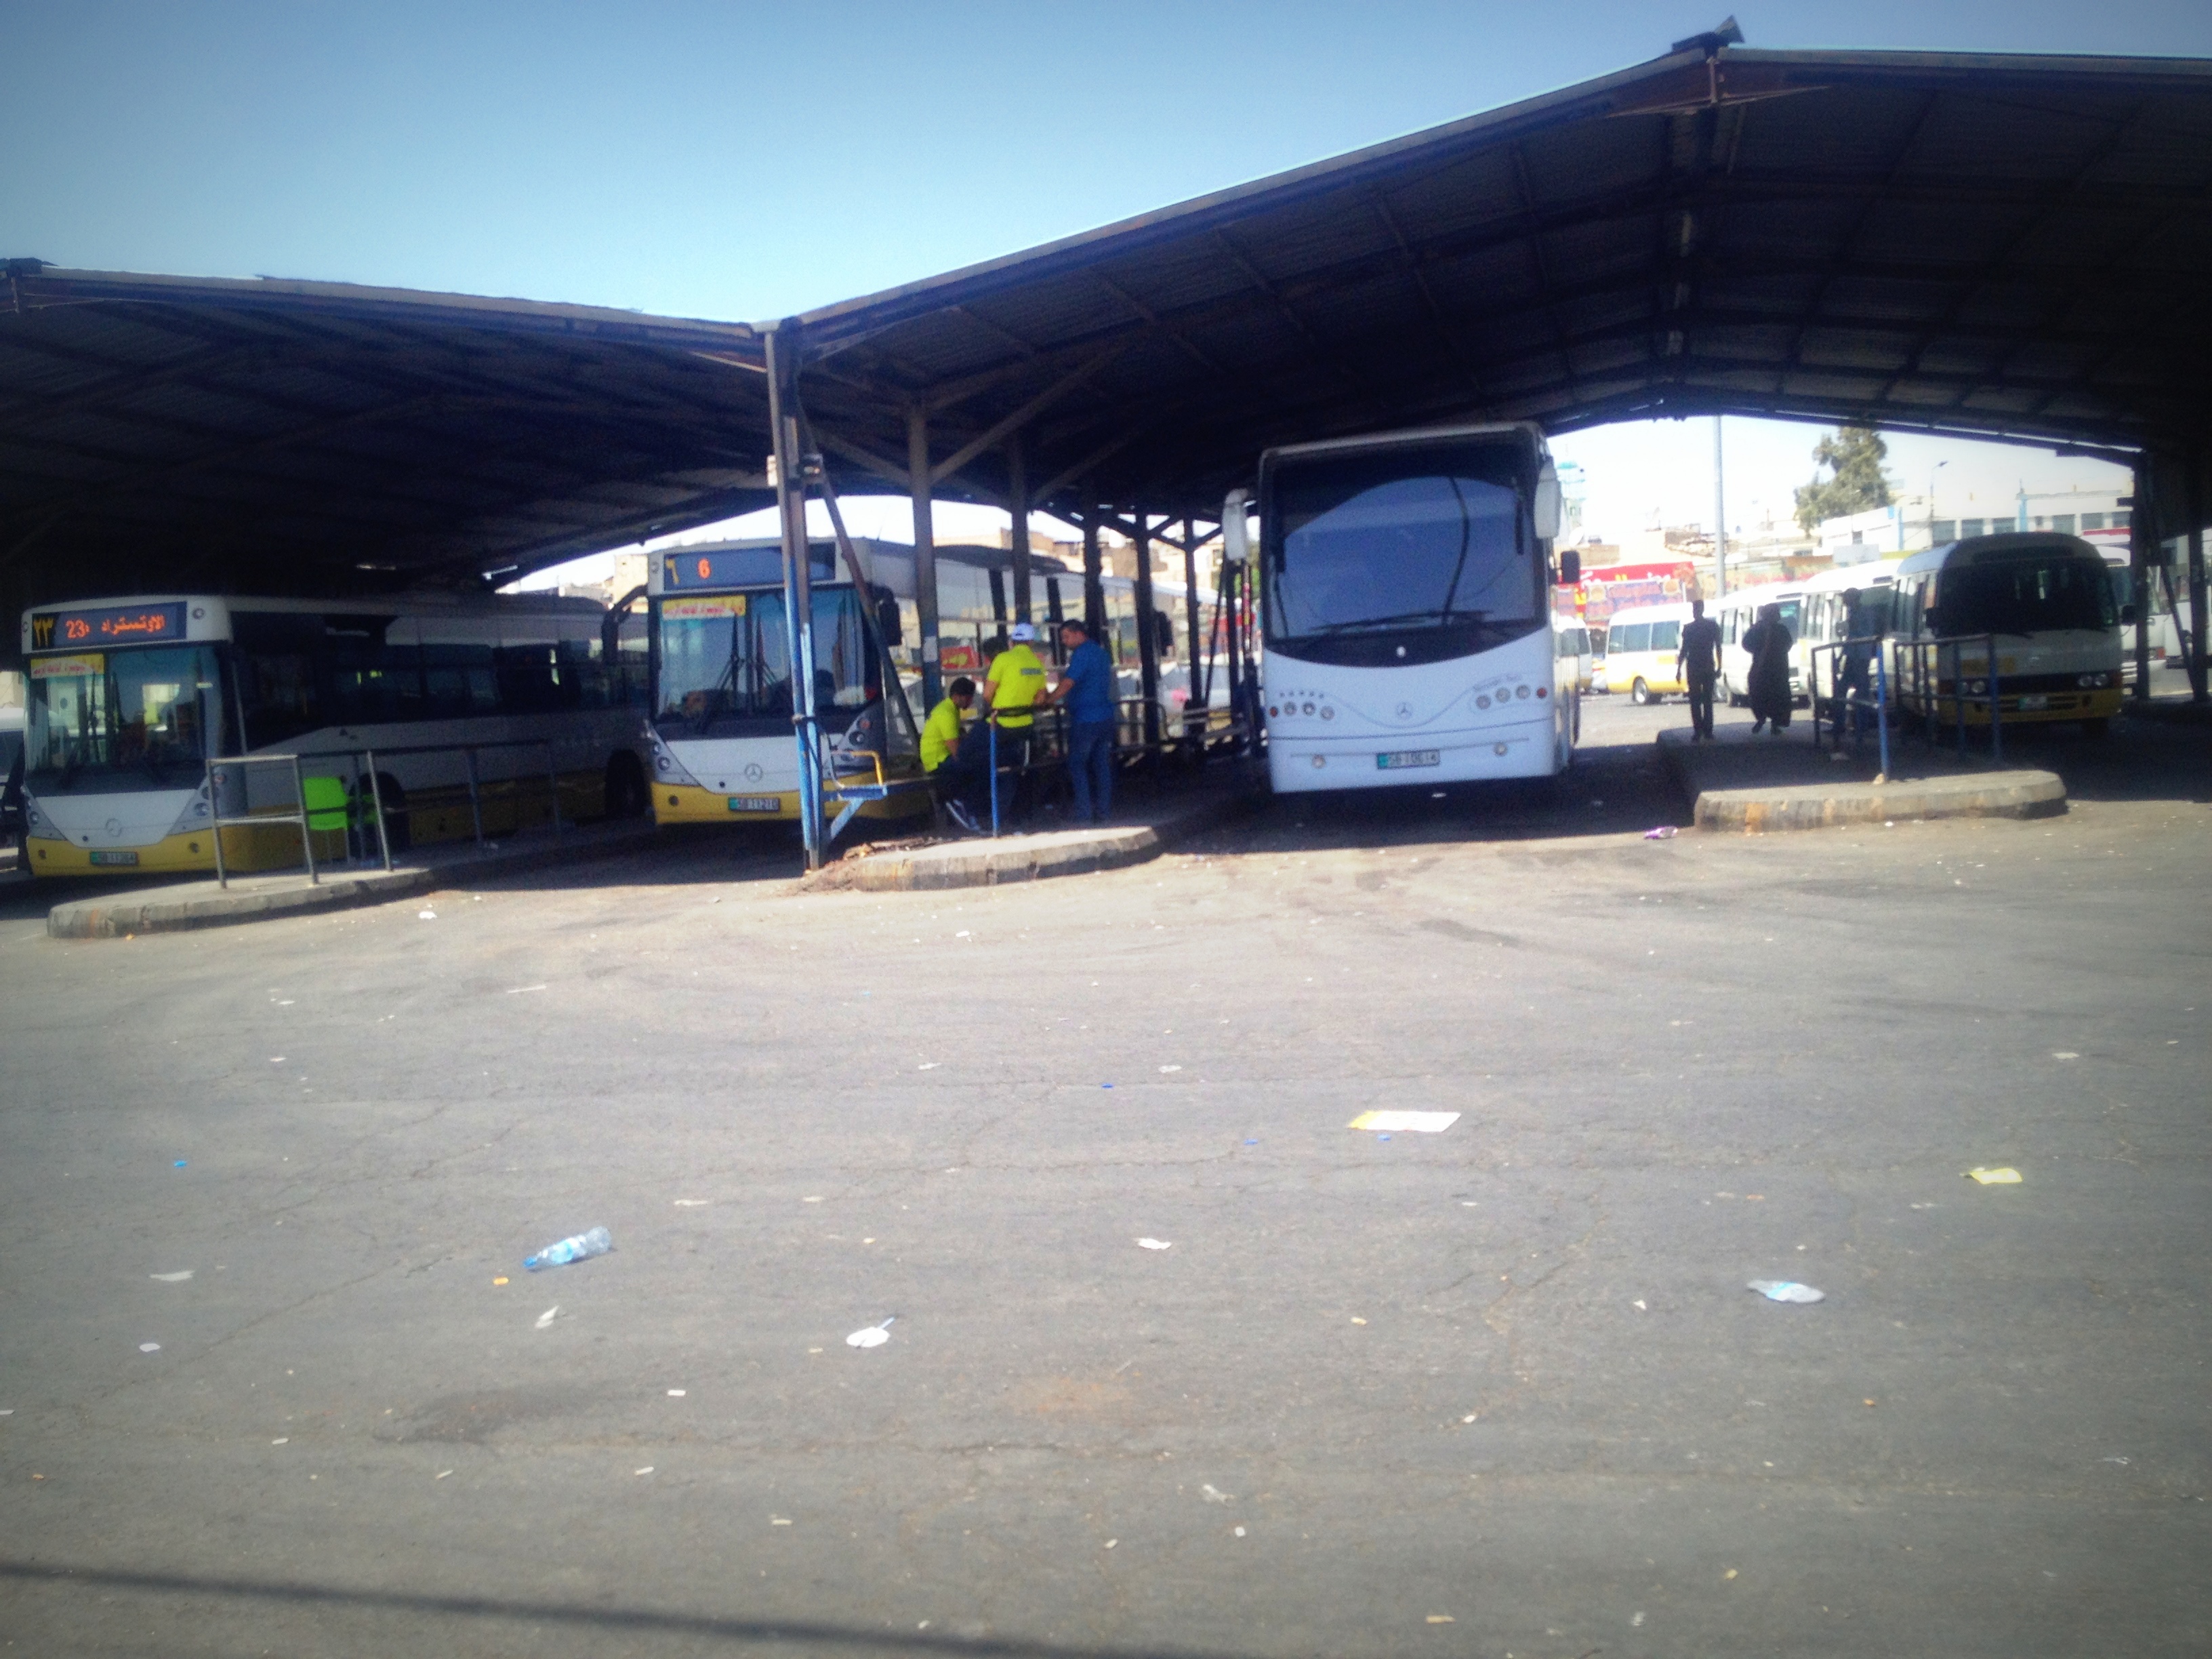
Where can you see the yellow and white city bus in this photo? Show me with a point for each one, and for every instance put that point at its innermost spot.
(724, 750)
(129, 698)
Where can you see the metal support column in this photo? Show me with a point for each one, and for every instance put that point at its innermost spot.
(1195, 619)
(798, 587)
(2140, 526)
(1017, 508)
(924, 552)
(1148, 641)
(2199, 456)
(1720, 519)
(1094, 577)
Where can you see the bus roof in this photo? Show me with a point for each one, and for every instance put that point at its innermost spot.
(1999, 549)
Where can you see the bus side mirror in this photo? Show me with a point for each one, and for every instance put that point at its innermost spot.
(1545, 508)
(887, 619)
(1570, 569)
(1236, 539)
(2127, 616)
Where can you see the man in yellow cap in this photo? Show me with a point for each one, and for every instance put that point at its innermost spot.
(1015, 681)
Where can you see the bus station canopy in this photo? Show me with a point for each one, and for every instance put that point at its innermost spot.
(2013, 246)
(2010, 246)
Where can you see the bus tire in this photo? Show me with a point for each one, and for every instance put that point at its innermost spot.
(1640, 694)
(625, 796)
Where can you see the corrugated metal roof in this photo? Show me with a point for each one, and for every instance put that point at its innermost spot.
(1992, 245)
(318, 437)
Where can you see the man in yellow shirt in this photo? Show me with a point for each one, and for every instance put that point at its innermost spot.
(956, 777)
(1017, 681)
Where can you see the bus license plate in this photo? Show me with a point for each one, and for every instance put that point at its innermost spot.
(2035, 700)
(126, 859)
(1406, 757)
(756, 802)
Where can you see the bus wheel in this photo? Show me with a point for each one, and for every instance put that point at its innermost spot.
(2102, 726)
(1640, 694)
(625, 795)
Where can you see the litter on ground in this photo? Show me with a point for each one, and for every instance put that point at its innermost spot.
(549, 1316)
(1424, 1123)
(1664, 832)
(1157, 1244)
(1215, 1495)
(170, 1279)
(871, 1336)
(1785, 1290)
(2003, 1175)
(150, 1347)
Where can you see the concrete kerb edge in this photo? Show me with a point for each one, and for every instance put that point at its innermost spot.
(127, 915)
(992, 867)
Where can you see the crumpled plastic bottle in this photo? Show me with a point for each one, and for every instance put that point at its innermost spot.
(598, 1242)
(1785, 1290)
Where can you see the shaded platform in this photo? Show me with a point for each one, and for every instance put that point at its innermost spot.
(1224, 793)
(1757, 783)
(185, 906)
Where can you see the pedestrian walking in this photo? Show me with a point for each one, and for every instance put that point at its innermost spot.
(1769, 640)
(1086, 688)
(1697, 664)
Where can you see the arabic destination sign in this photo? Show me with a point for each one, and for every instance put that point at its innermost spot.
(132, 624)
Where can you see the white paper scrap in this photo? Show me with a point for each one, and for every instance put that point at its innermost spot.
(1419, 1123)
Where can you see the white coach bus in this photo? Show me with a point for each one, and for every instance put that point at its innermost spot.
(130, 699)
(1407, 582)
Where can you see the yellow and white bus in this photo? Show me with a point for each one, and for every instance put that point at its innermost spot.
(129, 698)
(2046, 597)
(723, 746)
(1640, 643)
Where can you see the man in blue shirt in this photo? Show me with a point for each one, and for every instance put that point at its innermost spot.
(1087, 686)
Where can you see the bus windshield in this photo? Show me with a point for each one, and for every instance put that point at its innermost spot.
(2025, 596)
(1361, 546)
(137, 719)
(727, 657)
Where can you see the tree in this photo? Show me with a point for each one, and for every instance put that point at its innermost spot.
(1855, 454)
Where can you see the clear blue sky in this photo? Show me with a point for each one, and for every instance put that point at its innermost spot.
(746, 162)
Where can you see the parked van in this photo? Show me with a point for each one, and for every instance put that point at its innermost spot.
(1736, 612)
(1640, 643)
(1852, 603)
(1572, 642)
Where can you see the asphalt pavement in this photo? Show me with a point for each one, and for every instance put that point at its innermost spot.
(1496, 1391)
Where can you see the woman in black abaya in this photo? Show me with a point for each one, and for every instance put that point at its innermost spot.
(1769, 641)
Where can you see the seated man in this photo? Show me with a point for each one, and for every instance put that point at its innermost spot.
(957, 770)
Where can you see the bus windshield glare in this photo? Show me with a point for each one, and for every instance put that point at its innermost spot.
(1364, 546)
(2025, 597)
(144, 714)
(727, 656)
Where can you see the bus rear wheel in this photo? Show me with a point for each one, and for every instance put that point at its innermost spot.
(1640, 694)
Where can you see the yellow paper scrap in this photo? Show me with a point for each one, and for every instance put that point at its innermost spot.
(1424, 1123)
(2003, 1175)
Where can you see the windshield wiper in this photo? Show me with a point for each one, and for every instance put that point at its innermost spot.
(1351, 623)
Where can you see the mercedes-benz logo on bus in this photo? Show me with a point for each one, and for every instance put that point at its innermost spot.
(1405, 711)
(753, 772)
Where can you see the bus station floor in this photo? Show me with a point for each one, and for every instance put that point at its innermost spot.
(1496, 1390)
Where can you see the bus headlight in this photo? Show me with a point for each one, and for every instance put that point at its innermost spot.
(1326, 713)
(2092, 681)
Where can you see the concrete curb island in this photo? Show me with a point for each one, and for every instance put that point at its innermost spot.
(1803, 804)
(193, 905)
(991, 863)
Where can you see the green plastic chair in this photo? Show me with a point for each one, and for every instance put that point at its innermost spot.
(328, 807)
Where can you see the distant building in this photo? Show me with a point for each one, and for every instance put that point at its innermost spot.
(1907, 525)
